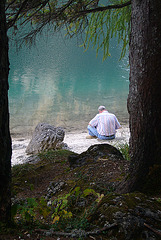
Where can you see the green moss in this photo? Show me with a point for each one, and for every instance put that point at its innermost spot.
(56, 155)
(113, 203)
(26, 176)
(20, 177)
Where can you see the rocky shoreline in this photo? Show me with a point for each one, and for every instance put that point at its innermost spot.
(75, 140)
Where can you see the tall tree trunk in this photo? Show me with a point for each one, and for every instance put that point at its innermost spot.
(5, 140)
(144, 100)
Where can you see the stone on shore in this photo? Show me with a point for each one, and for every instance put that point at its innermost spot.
(46, 137)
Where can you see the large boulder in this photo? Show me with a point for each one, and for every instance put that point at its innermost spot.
(45, 137)
(93, 154)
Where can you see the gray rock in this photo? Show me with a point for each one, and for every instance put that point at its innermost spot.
(45, 137)
(54, 187)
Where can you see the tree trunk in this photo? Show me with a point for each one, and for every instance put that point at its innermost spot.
(5, 140)
(144, 100)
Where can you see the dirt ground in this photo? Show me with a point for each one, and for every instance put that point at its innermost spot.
(33, 180)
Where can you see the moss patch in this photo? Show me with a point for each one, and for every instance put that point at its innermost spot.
(29, 178)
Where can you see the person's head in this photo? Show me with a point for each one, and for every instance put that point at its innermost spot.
(101, 109)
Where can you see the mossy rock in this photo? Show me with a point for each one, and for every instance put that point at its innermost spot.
(131, 212)
(93, 154)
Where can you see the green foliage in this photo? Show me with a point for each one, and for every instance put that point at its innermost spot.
(88, 191)
(42, 208)
(66, 212)
(124, 149)
(60, 209)
(158, 200)
(102, 26)
(25, 211)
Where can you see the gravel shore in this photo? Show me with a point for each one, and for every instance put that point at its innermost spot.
(76, 142)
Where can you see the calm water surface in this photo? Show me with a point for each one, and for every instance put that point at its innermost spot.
(56, 82)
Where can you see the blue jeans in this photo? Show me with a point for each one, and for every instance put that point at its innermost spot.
(93, 132)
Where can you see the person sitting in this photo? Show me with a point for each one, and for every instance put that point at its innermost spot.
(103, 126)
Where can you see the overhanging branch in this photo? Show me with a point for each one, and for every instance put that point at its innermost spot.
(101, 9)
(21, 10)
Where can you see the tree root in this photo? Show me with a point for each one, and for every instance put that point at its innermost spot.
(76, 232)
(158, 232)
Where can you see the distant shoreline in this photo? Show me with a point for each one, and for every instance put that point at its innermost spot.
(76, 141)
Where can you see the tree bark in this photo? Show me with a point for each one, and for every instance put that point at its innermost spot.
(144, 100)
(5, 140)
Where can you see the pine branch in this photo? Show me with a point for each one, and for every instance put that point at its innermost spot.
(10, 4)
(101, 9)
(37, 10)
(12, 21)
(22, 8)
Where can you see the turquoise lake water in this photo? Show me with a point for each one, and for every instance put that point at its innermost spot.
(57, 82)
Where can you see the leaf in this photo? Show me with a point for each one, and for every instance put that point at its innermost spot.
(107, 24)
(76, 191)
(89, 191)
(66, 214)
(32, 202)
(100, 196)
(56, 219)
(70, 214)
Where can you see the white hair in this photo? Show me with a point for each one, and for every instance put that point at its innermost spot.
(101, 108)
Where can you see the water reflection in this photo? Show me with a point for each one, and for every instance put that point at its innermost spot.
(58, 83)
